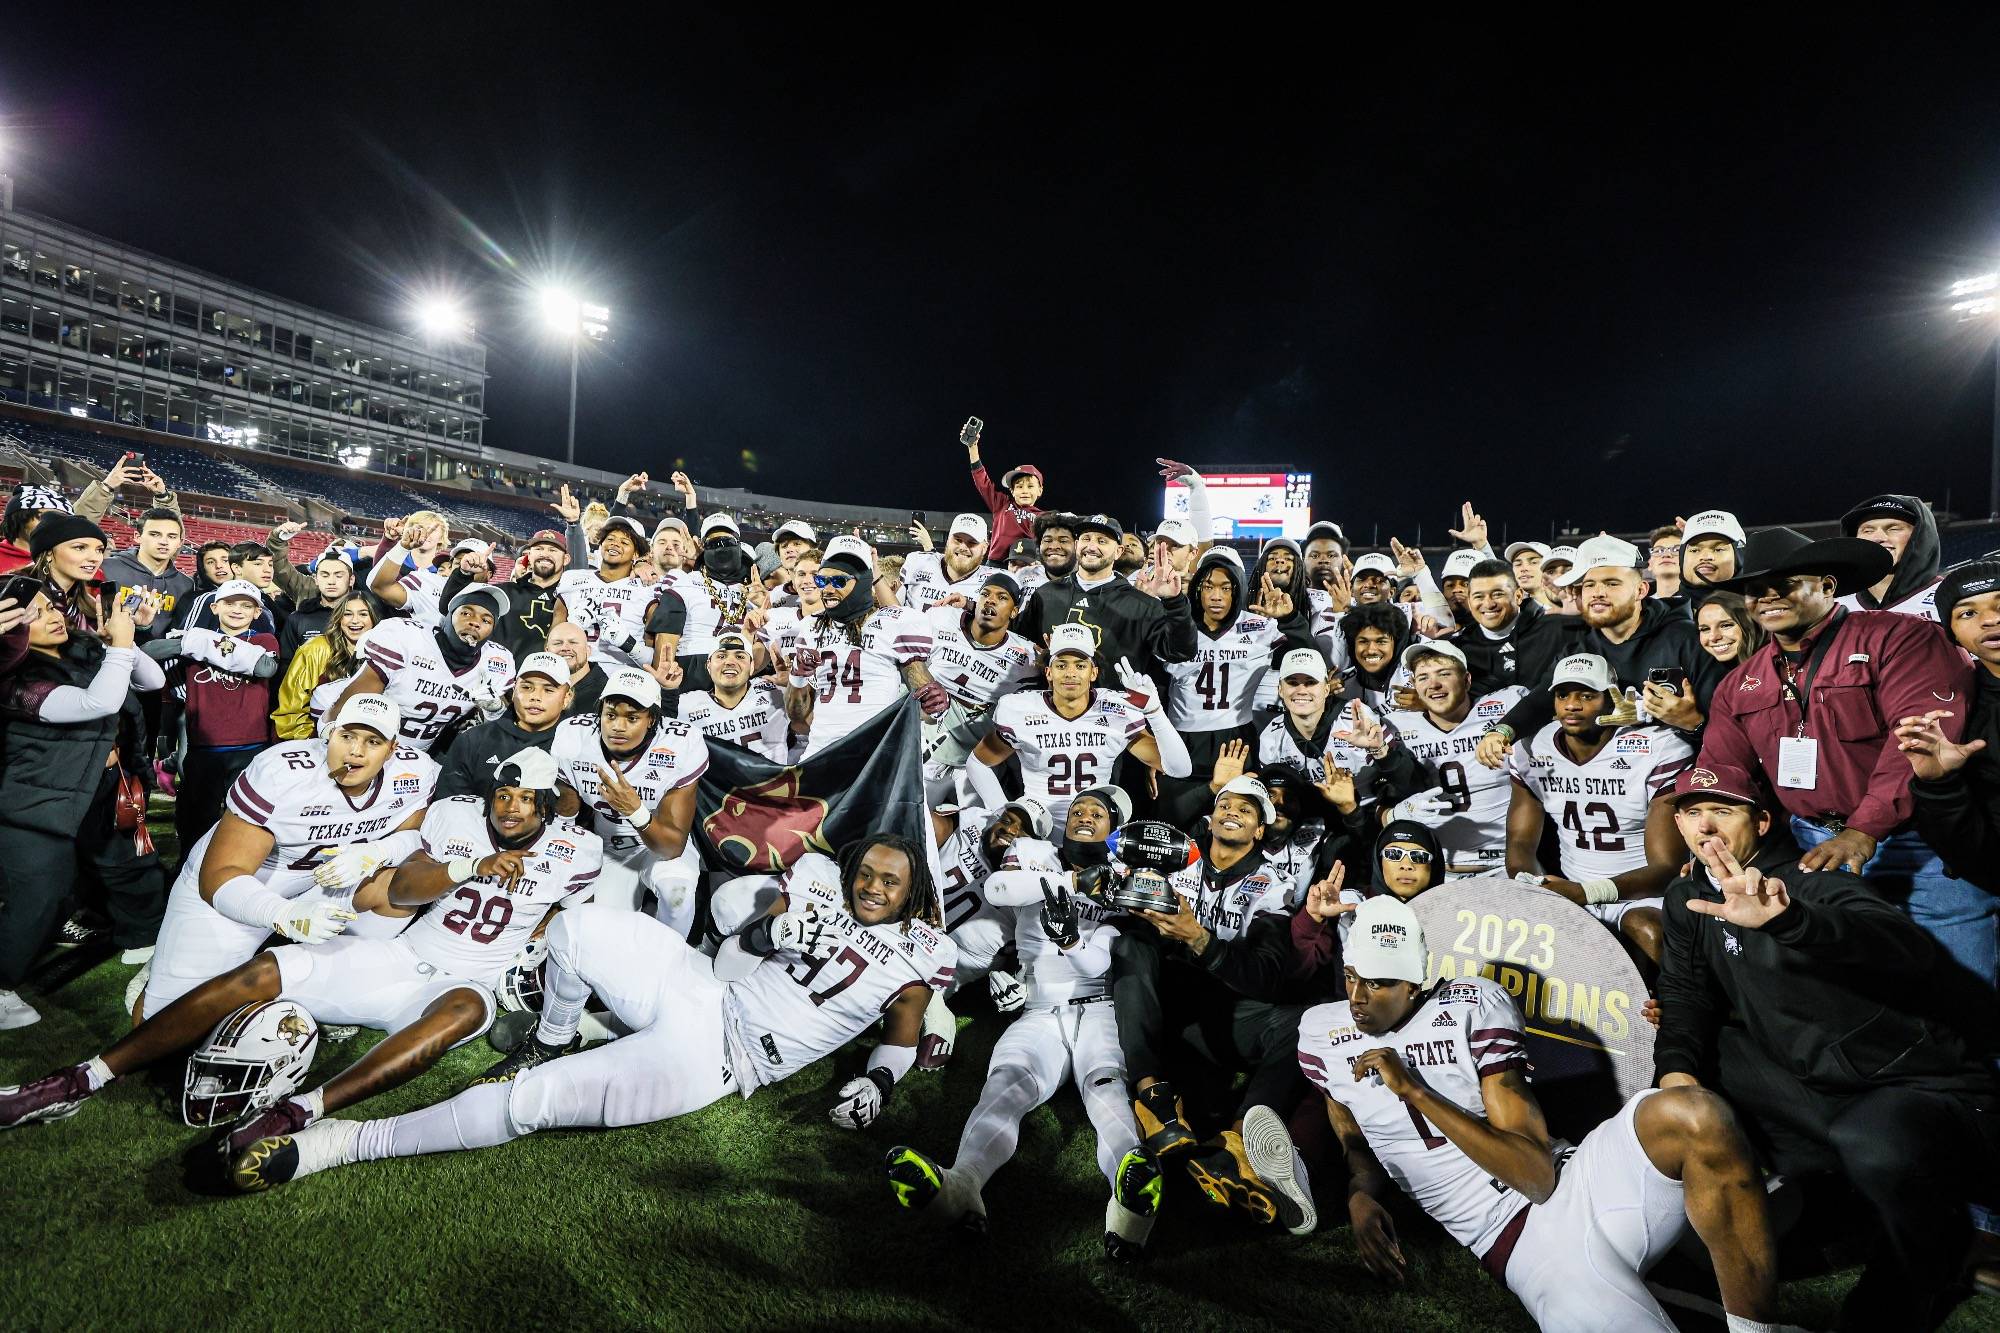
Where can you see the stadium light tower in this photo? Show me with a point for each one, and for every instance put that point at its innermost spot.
(1978, 299)
(441, 316)
(576, 320)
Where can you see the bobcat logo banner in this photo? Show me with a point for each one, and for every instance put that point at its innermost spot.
(754, 816)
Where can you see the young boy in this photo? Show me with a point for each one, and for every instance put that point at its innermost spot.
(231, 676)
(1013, 509)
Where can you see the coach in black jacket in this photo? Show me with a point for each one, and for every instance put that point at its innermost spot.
(1147, 622)
(1957, 786)
(1855, 1047)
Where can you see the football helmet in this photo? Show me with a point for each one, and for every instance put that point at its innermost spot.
(519, 989)
(255, 1057)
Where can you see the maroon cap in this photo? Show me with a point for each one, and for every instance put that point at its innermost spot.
(1719, 783)
(547, 536)
(1025, 470)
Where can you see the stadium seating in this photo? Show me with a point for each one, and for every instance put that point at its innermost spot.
(183, 469)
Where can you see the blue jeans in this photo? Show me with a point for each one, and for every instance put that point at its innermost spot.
(1962, 917)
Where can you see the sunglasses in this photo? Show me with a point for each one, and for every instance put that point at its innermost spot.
(1416, 856)
(832, 580)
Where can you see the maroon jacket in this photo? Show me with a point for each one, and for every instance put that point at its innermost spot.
(225, 710)
(1880, 667)
(1011, 522)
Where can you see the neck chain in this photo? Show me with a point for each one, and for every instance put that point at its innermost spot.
(732, 603)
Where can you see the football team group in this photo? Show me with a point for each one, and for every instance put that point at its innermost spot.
(1178, 797)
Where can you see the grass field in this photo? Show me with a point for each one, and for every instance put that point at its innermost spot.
(756, 1214)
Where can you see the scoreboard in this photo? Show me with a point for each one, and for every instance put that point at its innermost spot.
(1258, 505)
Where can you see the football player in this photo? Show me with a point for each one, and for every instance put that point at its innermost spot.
(608, 602)
(977, 658)
(736, 708)
(438, 676)
(1608, 791)
(1065, 1033)
(421, 591)
(634, 769)
(693, 609)
(1319, 739)
(1070, 735)
(304, 818)
(930, 576)
(1466, 802)
(1427, 1086)
(844, 947)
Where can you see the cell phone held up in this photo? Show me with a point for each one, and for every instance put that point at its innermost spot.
(20, 589)
(1667, 678)
(968, 434)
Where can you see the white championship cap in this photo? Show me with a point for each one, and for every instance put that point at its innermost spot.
(972, 525)
(1176, 530)
(544, 664)
(1438, 647)
(1255, 790)
(853, 548)
(719, 523)
(1072, 638)
(1515, 548)
(1560, 555)
(1458, 565)
(1585, 669)
(1032, 810)
(1302, 662)
(1386, 942)
(798, 528)
(630, 683)
(239, 588)
(1600, 552)
(472, 544)
(377, 712)
(1713, 523)
(1377, 562)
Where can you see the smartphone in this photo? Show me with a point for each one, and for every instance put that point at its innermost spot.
(136, 459)
(969, 434)
(916, 516)
(1667, 678)
(21, 588)
(131, 601)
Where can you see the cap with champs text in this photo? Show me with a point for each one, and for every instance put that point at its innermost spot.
(1458, 565)
(1375, 563)
(638, 686)
(1559, 555)
(471, 545)
(239, 588)
(1302, 662)
(1178, 531)
(1032, 810)
(1386, 942)
(1515, 548)
(796, 529)
(544, 664)
(1072, 638)
(377, 712)
(1434, 648)
(1585, 669)
(715, 523)
(972, 525)
(1600, 552)
(1713, 523)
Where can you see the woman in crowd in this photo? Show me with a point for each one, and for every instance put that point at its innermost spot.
(321, 668)
(70, 722)
(1728, 634)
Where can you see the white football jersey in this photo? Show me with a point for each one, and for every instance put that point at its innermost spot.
(1030, 577)
(973, 675)
(1600, 807)
(1277, 744)
(612, 615)
(474, 930)
(675, 756)
(1227, 910)
(790, 1012)
(704, 613)
(926, 583)
(1052, 976)
(1921, 603)
(962, 859)
(854, 682)
(286, 792)
(1060, 756)
(423, 591)
(416, 678)
(1216, 689)
(1464, 1031)
(1474, 834)
(757, 723)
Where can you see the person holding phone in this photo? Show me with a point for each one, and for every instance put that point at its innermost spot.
(1014, 503)
(131, 470)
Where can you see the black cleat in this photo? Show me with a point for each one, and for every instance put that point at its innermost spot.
(525, 1057)
(1229, 1181)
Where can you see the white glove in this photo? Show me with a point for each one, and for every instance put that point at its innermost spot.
(805, 932)
(860, 1102)
(1144, 693)
(317, 924)
(486, 695)
(349, 867)
(1006, 990)
(1425, 807)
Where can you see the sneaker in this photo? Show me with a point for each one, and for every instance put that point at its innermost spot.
(512, 1028)
(135, 989)
(940, 1034)
(1268, 1143)
(55, 1097)
(274, 1161)
(939, 1193)
(1163, 1130)
(81, 928)
(1133, 1208)
(1229, 1181)
(524, 1057)
(287, 1117)
(337, 1031)
(16, 1012)
(163, 778)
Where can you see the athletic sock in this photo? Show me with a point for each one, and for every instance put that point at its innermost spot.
(564, 995)
(314, 1103)
(475, 1118)
(97, 1072)
(1110, 1112)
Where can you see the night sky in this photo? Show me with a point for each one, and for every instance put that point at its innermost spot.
(1601, 277)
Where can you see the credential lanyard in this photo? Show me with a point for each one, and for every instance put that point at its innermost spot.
(1798, 689)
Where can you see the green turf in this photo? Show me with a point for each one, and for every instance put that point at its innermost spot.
(749, 1214)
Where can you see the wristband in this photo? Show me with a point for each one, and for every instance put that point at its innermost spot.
(1503, 731)
(249, 901)
(1599, 891)
(461, 869)
(639, 818)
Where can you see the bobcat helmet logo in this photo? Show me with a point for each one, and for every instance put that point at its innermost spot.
(294, 1030)
(768, 825)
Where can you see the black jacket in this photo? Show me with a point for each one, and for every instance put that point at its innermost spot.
(1665, 638)
(1528, 653)
(51, 772)
(1841, 989)
(1258, 963)
(587, 692)
(479, 751)
(1143, 630)
(1959, 815)
(308, 622)
(530, 616)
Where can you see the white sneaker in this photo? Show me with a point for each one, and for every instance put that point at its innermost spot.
(1268, 1145)
(135, 989)
(337, 1031)
(940, 1034)
(16, 1012)
(142, 954)
(285, 1157)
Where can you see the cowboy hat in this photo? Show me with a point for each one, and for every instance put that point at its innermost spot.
(1779, 553)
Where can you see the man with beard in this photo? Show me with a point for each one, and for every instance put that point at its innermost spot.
(437, 676)
(1511, 639)
(1132, 555)
(1065, 1033)
(1055, 546)
(1325, 554)
(736, 708)
(1206, 974)
(608, 603)
(1466, 804)
(694, 608)
(1146, 621)
(930, 577)
(538, 572)
(586, 678)
(1635, 635)
(541, 693)
(977, 658)
(1905, 527)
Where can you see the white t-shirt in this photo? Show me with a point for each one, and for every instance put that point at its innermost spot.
(1600, 807)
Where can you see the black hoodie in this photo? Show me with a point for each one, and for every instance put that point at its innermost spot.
(1406, 830)
(1917, 570)
(1665, 638)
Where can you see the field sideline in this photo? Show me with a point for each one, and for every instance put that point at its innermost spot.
(747, 1214)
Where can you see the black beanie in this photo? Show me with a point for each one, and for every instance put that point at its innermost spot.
(55, 529)
(1968, 580)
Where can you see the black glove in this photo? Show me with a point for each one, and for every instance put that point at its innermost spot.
(1096, 882)
(1059, 920)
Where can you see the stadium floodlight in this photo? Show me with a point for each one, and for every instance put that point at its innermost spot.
(1984, 282)
(1978, 298)
(441, 316)
(568, 316)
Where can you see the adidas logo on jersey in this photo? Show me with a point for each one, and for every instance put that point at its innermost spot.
(1444, 1021)
(1621, 764)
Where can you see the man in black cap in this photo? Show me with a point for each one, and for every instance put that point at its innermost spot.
(1903, 526)
(1839, 1033)
(1956, 783)
(1146, 619)
(1811, 713)
(531, 612)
